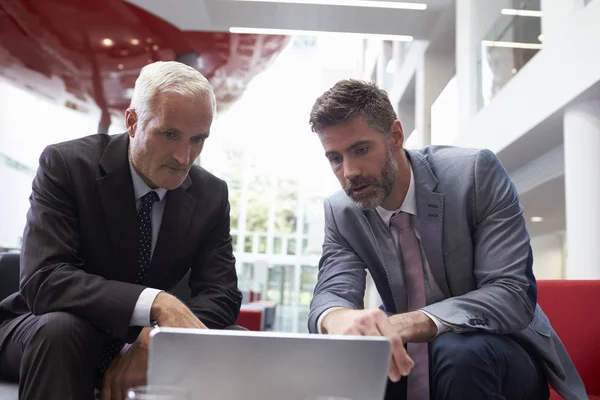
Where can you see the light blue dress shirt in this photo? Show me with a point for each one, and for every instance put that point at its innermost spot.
(141, 312)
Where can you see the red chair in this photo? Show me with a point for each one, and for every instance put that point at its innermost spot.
(572, 307)
(251, 319)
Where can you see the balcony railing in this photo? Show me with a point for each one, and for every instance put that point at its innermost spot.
(514, 39)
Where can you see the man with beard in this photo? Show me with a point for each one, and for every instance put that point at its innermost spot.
(115, 222)
(442, 234)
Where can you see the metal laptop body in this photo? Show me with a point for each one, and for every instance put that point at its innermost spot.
(215, 364)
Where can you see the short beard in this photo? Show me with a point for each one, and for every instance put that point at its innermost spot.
(384, 184)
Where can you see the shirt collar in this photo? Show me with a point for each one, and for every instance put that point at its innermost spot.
(409, 205)
(139, 186)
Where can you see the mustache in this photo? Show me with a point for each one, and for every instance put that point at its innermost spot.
(359, 181)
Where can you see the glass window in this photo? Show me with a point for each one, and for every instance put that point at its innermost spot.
(280, 284)
(262, 244)
(248, 244)
(508, 46)
(277, 245)
(291, 247)
(286, 204)
(308, 280)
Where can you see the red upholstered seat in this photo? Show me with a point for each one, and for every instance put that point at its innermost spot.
(573, 309)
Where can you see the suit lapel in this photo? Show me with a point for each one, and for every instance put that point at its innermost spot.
(387, 252)
(430, 210)
(175, 224)
(118, 205)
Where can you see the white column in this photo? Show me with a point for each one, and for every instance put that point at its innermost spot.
(383, 80)
(397, 56)
(432, 76)
(467, 50)
(582, 189)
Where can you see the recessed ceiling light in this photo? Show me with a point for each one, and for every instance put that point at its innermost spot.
(522, 13)
(537, 219)
(352, 3)
(107, 42)
(266, 31)
(134, 42)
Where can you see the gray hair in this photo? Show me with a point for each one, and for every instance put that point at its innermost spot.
(349, 99)
(168, 76)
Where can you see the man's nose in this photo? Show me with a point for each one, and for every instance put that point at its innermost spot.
(182, 155)
(351, 170)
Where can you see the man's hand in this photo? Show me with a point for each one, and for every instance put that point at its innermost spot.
(370, 323)
(128, 369)
(169, 311)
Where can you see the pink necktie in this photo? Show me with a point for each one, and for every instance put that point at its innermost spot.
(418, 380)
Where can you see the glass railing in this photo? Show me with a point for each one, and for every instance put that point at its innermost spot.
(514, 39)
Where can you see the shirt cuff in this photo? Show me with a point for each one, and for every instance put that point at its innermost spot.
(441, 327)
(323, 314)
(143, 306)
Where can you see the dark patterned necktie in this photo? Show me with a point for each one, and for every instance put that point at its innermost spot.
(144, 248)
(111, 348)
(418, 380)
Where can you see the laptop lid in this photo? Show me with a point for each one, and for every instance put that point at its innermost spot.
(224, 364)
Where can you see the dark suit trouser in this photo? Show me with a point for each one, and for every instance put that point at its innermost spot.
(52, 356)
(479, 366)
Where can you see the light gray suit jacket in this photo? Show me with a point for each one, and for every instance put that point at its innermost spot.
(477, 247)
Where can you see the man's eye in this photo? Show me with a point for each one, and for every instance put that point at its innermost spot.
(168, 134)
(335, 160)
(197, 139)
(362, 150)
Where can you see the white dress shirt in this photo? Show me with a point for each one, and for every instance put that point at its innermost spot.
(141, 311)
(408, 206)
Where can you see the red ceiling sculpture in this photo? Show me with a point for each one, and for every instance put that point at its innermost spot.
(76, 52)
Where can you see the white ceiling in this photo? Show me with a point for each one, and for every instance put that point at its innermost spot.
(221, 15)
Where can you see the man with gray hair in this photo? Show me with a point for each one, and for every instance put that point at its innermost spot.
(442, 234)
(115, 222)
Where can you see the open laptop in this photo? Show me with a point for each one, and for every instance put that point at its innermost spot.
(223, 364)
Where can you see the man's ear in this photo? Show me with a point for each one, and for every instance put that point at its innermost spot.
(131, 121)
(397, 135)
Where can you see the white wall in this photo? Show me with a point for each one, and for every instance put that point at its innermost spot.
(28, 124)
(444, 116)
(548, 256)
(555, 76)
(15, 187)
